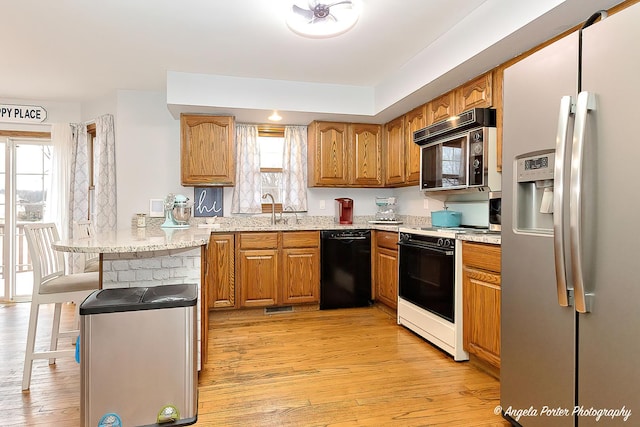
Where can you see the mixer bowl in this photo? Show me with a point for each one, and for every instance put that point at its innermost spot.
(181, 214)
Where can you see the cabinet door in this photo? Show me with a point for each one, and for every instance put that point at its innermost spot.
(301, 275)
(481, 330)
(394, 146)
(257, 273)
(481, 301)
(220, 271)
(476, 93)
(414, 120)
(207, 150)
(441, 108)
(386, 274)
(366, 152)
(328, 154)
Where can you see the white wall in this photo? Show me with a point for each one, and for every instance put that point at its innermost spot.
(147, 152)
(148, 157)
(148, 163)
(57, 112)
(99, 107)
(363, 199)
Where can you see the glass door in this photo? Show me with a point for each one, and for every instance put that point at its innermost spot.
(25, 174)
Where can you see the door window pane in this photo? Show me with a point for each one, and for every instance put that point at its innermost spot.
(33, 164)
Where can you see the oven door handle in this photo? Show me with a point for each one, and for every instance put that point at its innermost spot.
(415, 245)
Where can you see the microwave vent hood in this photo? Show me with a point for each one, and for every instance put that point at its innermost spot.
(474, 118)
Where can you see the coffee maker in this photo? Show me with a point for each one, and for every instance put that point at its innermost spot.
(344, 211)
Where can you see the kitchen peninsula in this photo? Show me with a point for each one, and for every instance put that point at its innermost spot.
(148, 257)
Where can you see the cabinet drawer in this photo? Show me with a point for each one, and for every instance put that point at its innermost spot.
(258, 240)
(481, 255)
(387, 239)
(301, 239)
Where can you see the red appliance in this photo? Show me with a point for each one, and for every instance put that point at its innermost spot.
(344, 211)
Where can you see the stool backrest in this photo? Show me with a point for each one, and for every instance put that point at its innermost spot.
(47, 262)
(83, 229)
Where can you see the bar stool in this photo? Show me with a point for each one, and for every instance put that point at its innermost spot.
(51, 286)
(84, 230)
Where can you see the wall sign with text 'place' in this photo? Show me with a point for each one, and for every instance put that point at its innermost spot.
(22, 113)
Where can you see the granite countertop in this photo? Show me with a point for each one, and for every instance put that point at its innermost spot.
(491, 237)
(137, 240)
(155, 238)
(231, 228)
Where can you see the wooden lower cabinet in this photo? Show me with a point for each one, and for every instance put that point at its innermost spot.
(258, 277)
(257, 268)
(386, 268)
(300, 267)
(481, 301)
(278, 268)
(220, 271)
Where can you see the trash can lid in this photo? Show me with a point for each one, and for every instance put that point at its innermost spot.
(140, 298)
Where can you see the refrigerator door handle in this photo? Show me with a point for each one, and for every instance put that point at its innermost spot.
(586, 102)
(566, 111)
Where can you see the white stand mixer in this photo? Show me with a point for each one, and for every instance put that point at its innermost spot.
(176, 211)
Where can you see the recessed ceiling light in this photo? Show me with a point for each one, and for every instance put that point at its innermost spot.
(323, 18)
(275, 117)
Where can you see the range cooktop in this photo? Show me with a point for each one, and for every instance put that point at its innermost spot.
(448, 231)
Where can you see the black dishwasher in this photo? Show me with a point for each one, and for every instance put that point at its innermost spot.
(345, 279)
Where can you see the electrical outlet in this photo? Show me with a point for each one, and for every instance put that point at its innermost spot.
(322, 205)
(426, 203)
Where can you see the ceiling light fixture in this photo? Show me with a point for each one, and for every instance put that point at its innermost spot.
(275, 117)
(323, 18)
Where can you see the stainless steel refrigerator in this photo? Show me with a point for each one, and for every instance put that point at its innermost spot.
(571, 216)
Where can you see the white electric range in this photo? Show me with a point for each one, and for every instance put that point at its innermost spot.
(430, 286)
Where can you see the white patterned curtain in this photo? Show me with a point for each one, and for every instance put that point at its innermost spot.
(58, 209)
(79, 179)
(247, 191)
(105, 216)
(104, 179)
(78, 186)
(294, 168)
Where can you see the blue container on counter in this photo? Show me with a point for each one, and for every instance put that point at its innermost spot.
(446, 218)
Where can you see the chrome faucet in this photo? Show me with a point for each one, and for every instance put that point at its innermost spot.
(273, 207)
(289, 208)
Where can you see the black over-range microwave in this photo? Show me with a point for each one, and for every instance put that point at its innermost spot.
(455, 152)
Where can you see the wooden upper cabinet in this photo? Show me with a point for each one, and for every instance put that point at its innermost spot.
(328, 158)
(366, 154)
(394, 149)
(414, 120)
(207, 154)
(441, 108)
(476, 93)
(344, 155)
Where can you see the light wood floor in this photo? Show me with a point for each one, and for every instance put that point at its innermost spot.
(352, 367)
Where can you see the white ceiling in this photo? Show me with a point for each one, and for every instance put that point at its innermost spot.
(79, 50)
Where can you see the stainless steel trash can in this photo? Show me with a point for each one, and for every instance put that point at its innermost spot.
(138, 356)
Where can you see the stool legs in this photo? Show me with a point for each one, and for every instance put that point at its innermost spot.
(31, 342)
